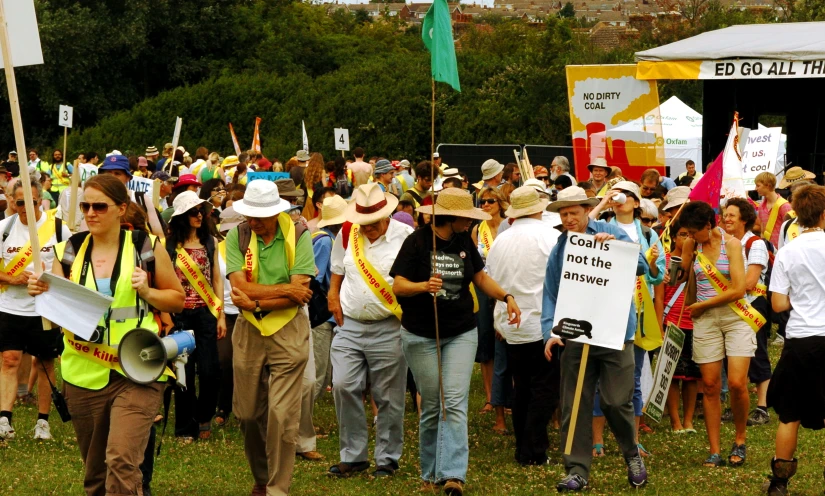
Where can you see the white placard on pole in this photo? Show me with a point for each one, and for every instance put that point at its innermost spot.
(24, 35)
(761, 149)
(342, 139)
(65, 116)
(176, 136)
(141, 185)
(597, 285)
(665, 366)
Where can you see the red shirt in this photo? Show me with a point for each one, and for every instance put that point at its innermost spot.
(673, 315)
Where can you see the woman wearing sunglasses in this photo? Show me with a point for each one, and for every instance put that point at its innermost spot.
(197, 267)
(111, 414)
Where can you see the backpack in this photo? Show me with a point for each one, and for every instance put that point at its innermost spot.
(318, 304)
(767, 309)
(58, 228)
(343, 187)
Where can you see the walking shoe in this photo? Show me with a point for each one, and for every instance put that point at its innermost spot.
(312, 456)
(6, 430)
(636, 471)
(759, 417)
(454, 487)
(571, 483)
(258, 490)
(41, 430)
(727, 415)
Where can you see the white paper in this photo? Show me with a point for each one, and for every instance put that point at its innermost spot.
(597, 285)
(74, 307)
(761, 150)
(24, 36)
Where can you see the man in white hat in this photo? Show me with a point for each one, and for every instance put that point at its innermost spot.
(269, 262)
(599, 170)
(512, 262)
(403, 179)
(367, 342)
(612, 369)
(491, 173)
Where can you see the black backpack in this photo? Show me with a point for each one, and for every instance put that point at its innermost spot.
(318, 304)
(343, 187)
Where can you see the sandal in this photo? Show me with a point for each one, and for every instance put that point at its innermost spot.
(348, 469)
(598, 450)
(487, 408)
(642, 450)
(738, 450)
(501, 431)
(158, 418)
(204, 431)
(384, 471)
(690, 431)
(713, 461)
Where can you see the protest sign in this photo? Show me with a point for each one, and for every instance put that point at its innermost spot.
(603, 97)
(140, 185)
(65, 114)
(761, 150)
(24, 34)
(342, 139)
(269, 176)
(600, 274)
(665, 366)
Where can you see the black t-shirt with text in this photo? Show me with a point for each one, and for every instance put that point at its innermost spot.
(457, 261)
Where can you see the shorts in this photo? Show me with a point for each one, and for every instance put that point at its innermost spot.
(720, 332)
(797, 389)
(686, 369)
(26, 334)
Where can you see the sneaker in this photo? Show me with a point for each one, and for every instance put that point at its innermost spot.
(572, 483)
(41, 430)
(6, 430)
(727, 415)
(636, 471)
(759, 417)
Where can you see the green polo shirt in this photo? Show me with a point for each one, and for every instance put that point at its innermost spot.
(272, 262)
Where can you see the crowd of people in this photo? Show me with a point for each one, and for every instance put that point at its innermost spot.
(325, 278)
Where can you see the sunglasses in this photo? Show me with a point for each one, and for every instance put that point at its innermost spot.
(648, 220)
(488, 201)
(98, 207)
(194, 212)
(22, 203)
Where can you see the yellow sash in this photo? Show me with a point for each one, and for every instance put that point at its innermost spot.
(648, 333)
(403, 182)
(793, 232)
(198, 281)
(759, 290)
(100, 354)
(602, 191)
(773, 217)
(375, 281)
(742, 308)
(485, 235)
(23, 257)
(275, 320)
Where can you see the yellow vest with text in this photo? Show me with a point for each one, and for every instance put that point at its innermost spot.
(124, 315)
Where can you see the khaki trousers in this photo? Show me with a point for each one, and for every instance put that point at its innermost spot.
(112, 427)
(268, 384)
(307, 440)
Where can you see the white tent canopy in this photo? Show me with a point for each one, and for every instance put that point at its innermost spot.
(681, 127)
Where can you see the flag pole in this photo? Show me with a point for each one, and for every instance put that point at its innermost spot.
(432, 226)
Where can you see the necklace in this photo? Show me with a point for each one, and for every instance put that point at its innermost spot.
(442, 237)
(812, 229)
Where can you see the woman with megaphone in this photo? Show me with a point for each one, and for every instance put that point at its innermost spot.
(110, 413)
(194, 254)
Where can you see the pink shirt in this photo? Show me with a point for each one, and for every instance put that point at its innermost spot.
(764, 214)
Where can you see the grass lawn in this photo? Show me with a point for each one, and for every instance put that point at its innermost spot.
(218, 466)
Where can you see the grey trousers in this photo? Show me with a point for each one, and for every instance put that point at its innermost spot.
(322, 340)
(362, 352)
(306, 429)
(613, 369)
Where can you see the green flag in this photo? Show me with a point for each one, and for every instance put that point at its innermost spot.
(437, 32)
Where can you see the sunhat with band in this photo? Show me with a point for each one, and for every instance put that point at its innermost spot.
(795, 174)
(186, 201)
(570, 197)
(333, 212)
(599, 162)
(676, 197)
(455, 202)
(525, 201)
(261, 201)
(369, 205)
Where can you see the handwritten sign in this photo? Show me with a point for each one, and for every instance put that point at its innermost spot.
(141, 185)
(597, 286)
(268, 176)
(665, 366)
(761, 149)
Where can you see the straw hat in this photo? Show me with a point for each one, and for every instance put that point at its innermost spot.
(369, 204)
(599, 162)
(230, 161)
(185, 202)
(333, 212)
(572, 196)
(793, 175)
(456, 202)
(261, 201)
(525, 201)
(676, 197)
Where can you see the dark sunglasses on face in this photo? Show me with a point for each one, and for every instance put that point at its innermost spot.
(648, 220)
(194, 212)
(22, 203)
(98, 207)
(543, 178)
(488, 201)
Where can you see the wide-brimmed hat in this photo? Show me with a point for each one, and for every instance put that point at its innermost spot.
(142, 162)
(676, 197)
(628, 187)
(525, 201)
(572, 196)
(187, 180)
(383, 166)
(286, 188)
(116, 162)
(404, 164)
(230, 218)
(333, 212)
(490, 169)
(536, 184)
(151, 150)
(369, 204)
(186, 201)
(599, 162)
(795, 174)
(455, 202)
(261, 200)
(302, 156)
(230, 161)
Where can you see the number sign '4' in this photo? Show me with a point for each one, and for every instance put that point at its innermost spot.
(342, 139)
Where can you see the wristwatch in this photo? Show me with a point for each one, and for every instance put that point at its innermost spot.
(257, 307)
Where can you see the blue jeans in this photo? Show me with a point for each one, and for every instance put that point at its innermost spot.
(444, 448)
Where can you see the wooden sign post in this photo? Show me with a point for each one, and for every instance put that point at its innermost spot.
(574, 415)
(65, 119)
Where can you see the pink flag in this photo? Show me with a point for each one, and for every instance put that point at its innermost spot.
(234, 140)
(710, 185)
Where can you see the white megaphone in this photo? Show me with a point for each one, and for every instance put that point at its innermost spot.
(144, 355)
